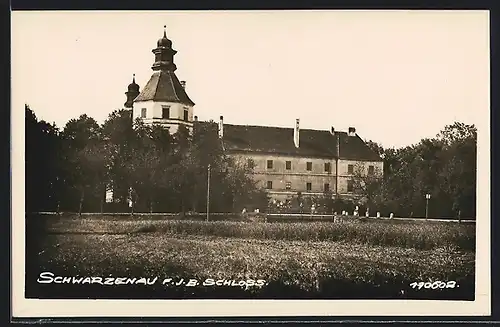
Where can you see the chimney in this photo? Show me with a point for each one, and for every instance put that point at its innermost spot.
(183, 84)
(195, 118)
(296, 133)
(221, 127)
(352, 131)
(332, 130)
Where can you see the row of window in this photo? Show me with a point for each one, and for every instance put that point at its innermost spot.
(326, 186)
(288, 165)
(328, 166)
(165, 113)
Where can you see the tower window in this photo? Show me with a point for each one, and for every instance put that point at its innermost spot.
(143, 112)
(308, 186)
(269, 164)
(327, 187)
(251, 163)
(269, 185)
(350, 169)
(309, 166)
(165, 112)
(288, 165)
(186, 115)
(288, 185)
(328, 167)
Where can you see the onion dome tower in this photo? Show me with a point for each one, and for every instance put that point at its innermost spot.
(164, 100)
(132, 93)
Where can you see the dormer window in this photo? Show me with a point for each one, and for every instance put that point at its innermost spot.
(143, 112)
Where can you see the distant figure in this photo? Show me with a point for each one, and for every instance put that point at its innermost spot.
(367, 214)
(257, 210)
(391, 215)
(378, 214)
(313, 208)
(244, 211)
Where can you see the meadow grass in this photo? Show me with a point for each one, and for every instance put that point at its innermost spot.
(302, 259)
(417, 235)
(311, 267)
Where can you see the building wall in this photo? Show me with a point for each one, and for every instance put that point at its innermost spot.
(154, 113)
(298, 176)
(359, 167)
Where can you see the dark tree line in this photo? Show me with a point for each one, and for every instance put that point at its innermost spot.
(72, 169)
(444, 167)
(146, 168)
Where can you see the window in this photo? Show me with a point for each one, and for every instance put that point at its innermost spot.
(350, 169)
(308, 186)
(186, 115)
(143, 113)
(165, 112)
(269, 185)
(288, 185)
(327, 187)
(250, 163)
(328, 167)
(350, 186)
(371, 170)
(269, 164)
(288, 165)
(309, 165)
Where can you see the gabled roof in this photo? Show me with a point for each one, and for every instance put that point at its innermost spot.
(164, 86)
(313, 143)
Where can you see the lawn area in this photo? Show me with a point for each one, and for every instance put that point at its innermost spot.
(375, 259)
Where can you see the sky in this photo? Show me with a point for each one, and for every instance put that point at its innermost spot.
(396, 76)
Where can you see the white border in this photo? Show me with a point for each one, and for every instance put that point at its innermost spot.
(25, 308)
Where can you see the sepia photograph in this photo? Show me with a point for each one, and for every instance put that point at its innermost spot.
(317, 156)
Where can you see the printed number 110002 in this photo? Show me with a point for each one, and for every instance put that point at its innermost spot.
(434, 285)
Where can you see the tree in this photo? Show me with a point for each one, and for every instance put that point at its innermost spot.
(44, 180)
(459, 173)
(366, 185)
(118, 134)
(83, 157)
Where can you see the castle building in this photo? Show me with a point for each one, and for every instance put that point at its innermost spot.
(285, 160)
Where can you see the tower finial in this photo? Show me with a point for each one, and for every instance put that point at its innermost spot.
(133, 78)
(164, 30)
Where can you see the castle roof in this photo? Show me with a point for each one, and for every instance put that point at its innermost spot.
(164, 86)
(279, 140)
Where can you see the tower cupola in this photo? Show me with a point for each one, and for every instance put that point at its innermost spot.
(164, 54)
(132, 93)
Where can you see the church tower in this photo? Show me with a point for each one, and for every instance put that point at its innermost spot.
(163, 99)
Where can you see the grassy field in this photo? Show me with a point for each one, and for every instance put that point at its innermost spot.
(372, 259)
